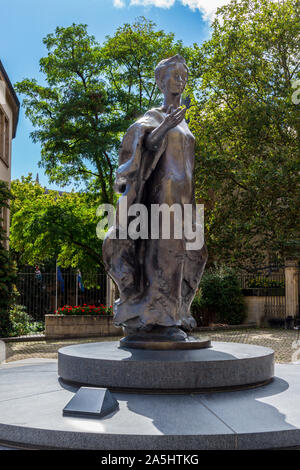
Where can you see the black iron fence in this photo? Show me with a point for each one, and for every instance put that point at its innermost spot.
(261, 280)
(43, 292)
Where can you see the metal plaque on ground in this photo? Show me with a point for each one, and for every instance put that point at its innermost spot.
(92, 402)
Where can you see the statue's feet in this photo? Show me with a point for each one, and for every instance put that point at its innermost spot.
(162, 338)
(171, 333)
(156, 333)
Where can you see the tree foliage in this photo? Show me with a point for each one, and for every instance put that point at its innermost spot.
(131, 56)
(92, 94)
(47, 225)
(247, 131)
(242, 115)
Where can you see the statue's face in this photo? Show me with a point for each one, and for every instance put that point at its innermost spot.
(175, 79)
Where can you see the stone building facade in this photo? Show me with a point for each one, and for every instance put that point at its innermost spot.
(9, 114)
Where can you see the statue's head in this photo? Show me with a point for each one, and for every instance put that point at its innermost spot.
(170, 72)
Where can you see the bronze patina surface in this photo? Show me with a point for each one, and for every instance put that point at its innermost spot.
(156, 278)
(164, 344)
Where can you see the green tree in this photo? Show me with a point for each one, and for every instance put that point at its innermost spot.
(247, 130)
(47, 225)
(92, 94)
(7, 269)
(131, 56)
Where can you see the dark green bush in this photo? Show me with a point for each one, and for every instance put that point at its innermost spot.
(219, 298)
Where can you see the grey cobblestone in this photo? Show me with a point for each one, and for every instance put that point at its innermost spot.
(281, 341)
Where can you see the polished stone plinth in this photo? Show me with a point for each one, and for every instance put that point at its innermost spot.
(32, 399)
(222, 366)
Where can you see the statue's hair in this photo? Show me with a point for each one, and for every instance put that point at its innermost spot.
(163, 66)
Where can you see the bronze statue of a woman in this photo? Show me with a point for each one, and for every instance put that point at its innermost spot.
(156, 278)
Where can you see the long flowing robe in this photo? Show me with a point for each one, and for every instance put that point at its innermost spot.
(156, 278)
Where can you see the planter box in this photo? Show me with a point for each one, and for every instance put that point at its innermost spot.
(80, 326)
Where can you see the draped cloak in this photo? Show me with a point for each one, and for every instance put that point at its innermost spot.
(156, 278)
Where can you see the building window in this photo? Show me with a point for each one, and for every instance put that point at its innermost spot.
(4, 138)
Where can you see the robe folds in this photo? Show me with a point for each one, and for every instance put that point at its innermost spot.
(156, 278)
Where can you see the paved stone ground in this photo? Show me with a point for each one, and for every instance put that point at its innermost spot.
(285, 343)
(282, 341)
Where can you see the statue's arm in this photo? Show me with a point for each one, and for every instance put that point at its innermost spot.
(154, 138)
(172, 119)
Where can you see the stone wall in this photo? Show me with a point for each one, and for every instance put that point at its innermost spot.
(79, 326)
(9, 113)
(255, 307)
(292, 288)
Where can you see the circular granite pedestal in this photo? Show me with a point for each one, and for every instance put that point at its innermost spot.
(221, 367)
(32, 400)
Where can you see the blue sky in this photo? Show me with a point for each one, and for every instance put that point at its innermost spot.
(25, 22)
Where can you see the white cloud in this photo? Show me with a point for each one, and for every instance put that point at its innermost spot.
(207, 7)
(119, 3)
(156, 3)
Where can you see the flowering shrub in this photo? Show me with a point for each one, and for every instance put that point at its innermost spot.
(84, 310)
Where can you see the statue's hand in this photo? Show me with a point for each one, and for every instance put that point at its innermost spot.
(173, 117)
